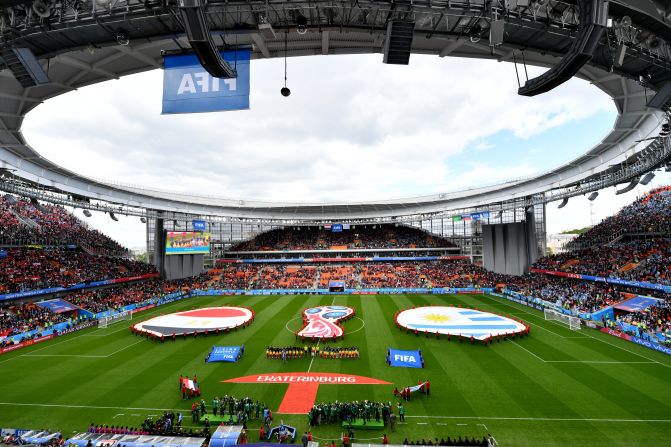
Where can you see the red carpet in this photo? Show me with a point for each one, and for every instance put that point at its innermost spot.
(299, 398)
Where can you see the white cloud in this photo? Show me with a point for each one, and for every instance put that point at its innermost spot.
(352, 129)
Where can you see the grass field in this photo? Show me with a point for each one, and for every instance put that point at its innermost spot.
(556, 387)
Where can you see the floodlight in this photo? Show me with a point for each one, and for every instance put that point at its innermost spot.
(301, 24)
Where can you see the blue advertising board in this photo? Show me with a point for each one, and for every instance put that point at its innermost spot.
(57, 306)
(189, 88)
(637, 303)
(336, 228)
(225, 353)
(405, 359)
(199, 225)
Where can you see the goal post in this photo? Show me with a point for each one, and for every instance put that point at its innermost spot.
(572, 322)
(104, 322)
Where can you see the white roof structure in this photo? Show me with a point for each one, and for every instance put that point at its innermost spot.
(80, 49)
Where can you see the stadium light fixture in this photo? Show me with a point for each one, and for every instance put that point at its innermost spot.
(87, 213)
(301, 24)
(647, 178)
(593, 196)
(41, 8)
(113, 217)
(143, 219)
(629, 187)
(563, 203)
(122, 38)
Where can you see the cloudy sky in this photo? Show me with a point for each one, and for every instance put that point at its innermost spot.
(352, 129)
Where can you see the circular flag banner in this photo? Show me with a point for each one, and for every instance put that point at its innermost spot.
(208, 319)
(456, 321)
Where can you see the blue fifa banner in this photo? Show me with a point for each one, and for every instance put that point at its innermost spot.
(189, 88)
(57, 306)
(405, 359)
(638, 303)
(337, 284)
(336, 228)
(199, 225)
(225, 353)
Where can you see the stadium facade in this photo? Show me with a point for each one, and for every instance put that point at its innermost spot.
(88, 43)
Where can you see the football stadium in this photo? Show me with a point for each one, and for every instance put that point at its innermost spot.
(448, 318)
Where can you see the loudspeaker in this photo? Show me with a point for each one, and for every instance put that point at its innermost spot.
(621, 52)
(41, 8)
(496, 33)
(398, 44)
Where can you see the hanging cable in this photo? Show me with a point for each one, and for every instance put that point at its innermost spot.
(285, 90)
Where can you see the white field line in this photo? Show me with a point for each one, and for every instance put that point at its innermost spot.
(66, 355)
(629, 351)
(594, 338)
(536, 324)
(84, 356)
(519, 345)
(483, 418)
(596, 362)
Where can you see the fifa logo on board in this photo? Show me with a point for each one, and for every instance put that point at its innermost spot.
(202, 82)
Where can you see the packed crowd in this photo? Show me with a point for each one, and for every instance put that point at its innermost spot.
(645, 260)
(19, 318)
(649, 214)
(100, 300)
(23, 317)
(35, 268)
(24, 222)
(360, 236)
(651, 321)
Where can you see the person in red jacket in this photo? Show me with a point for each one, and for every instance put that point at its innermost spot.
(385, 440)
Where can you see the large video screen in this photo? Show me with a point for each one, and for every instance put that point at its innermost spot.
(187, 243)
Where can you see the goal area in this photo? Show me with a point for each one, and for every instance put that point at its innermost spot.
(572, 322)
(115, 318)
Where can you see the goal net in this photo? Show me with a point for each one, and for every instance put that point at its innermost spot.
(571, 322)
(121, 316)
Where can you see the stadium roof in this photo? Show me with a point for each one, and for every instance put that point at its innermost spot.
(79, 46)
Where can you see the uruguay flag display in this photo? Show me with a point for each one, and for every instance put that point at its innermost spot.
(456, 321)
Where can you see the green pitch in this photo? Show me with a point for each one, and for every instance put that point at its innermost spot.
(556, 387)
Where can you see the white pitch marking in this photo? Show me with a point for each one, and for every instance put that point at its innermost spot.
(589, 336)
(548, 419)
(66, 355)
(117, 415)
(123, 349)
(629, 351)
(462, 424)
(517, 344)
(492, 418)
(599, 361)
(484, 426)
